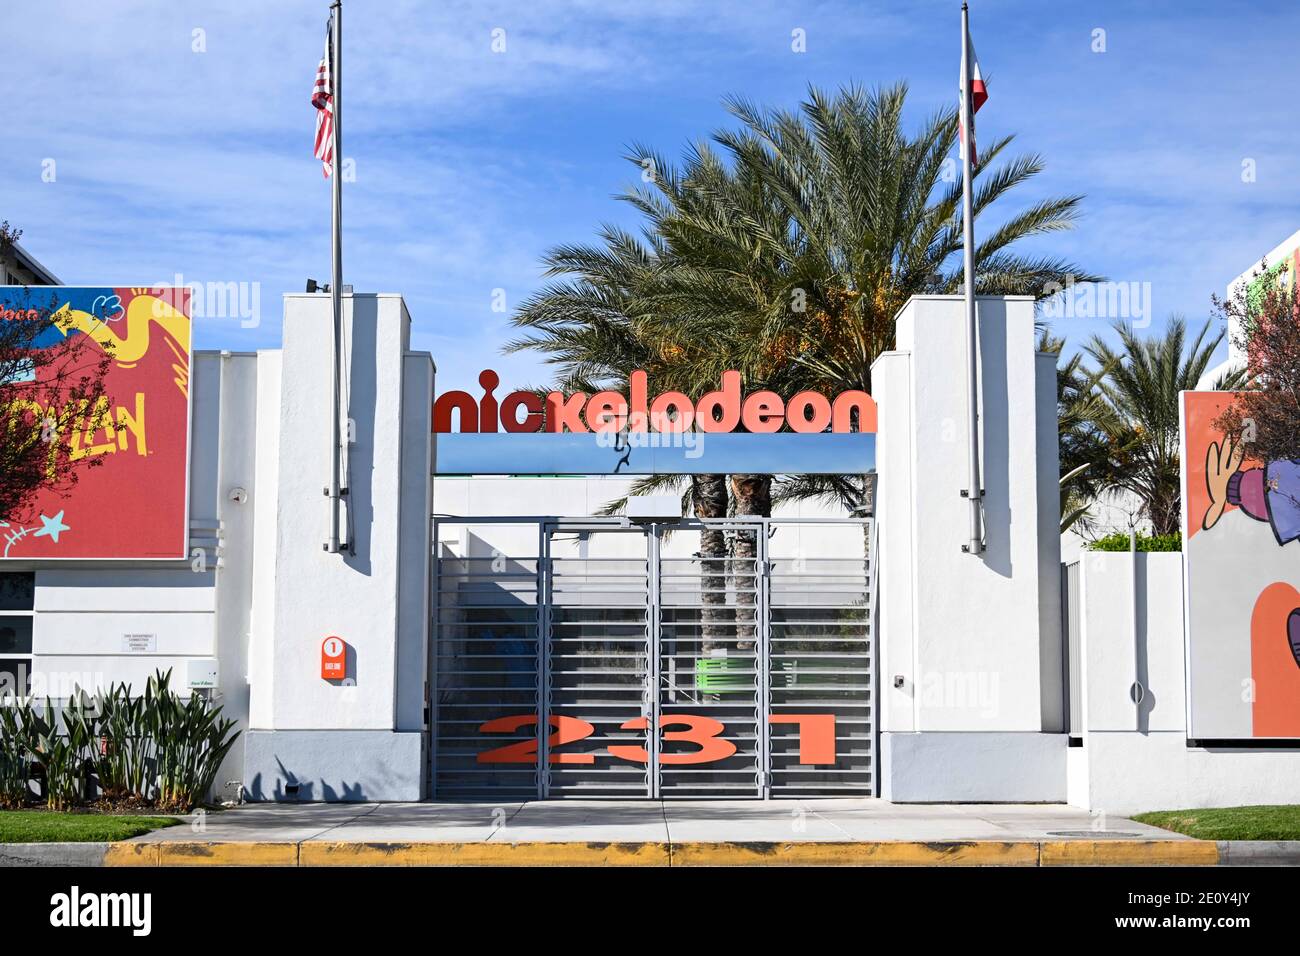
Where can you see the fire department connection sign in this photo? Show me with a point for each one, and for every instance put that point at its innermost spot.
(133, 505)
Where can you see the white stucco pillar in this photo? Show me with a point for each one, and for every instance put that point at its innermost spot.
(970, 663)
(362, 737)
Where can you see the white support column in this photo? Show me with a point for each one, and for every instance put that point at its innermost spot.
(358, 739)
(964, 635)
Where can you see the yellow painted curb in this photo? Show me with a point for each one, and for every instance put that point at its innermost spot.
(1130, 853)
(883, 853)
(131, 854)
(215, 854)
(322, 853)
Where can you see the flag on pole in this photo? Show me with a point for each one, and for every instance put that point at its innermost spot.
(322, 97)
(971, 96)
(978, 94)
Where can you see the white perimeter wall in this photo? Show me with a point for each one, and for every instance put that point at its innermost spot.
(190, 610)
(1136, 758)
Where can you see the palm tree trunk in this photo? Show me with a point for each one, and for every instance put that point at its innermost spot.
(753, 495)
(710, 496)
(868, 510)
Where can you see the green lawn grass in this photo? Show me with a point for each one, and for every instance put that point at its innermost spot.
(1230, 823)
(42, 826)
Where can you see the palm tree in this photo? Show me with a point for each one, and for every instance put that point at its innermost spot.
(1142, 379)
(816, 226)
(587, 327)
(1084, 419)
(786, 253)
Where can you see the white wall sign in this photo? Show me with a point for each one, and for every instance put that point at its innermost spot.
(140, 643)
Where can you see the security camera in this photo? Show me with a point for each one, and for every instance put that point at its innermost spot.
(238, 495)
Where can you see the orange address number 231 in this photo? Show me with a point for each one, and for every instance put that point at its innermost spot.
(816, 739)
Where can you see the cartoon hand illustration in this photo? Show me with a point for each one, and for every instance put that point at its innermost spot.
(1221, 463)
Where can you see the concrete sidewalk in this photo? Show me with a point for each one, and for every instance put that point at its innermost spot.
(655, 821)
(659, 833)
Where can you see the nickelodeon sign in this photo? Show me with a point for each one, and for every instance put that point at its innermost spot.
(724, 410)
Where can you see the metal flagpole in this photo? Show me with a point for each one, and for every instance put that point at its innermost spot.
(973, 490)
(336, 275)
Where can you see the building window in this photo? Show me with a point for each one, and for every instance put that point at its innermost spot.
(17, 605)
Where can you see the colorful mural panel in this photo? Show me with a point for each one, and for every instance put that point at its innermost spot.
(133, 505)
(1242, 581)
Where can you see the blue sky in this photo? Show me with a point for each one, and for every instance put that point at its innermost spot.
(471, 163)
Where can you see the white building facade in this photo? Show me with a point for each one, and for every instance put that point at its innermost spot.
(935, 674)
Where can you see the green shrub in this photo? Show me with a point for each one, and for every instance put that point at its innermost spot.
(61, 752)
(192, 739)
(125, 749)
(16, 749)
(156, 749)
(1156, 542)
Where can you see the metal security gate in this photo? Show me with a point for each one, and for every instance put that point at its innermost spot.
(696, 659)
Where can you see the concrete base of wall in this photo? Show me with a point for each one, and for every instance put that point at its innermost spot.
(979, 767)
(333, 765)
(1128, 773)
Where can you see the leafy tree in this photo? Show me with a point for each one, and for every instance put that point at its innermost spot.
(50, 387)
(1267, 414)
(1140, 421)
(585, 322)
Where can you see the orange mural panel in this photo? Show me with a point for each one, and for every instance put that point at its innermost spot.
(1275, 661)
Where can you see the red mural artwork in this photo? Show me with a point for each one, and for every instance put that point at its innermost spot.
(134, 504)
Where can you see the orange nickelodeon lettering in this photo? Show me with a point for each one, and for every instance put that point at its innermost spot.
(720, 411)
(531, 403)
(808, 412)
(564, 413)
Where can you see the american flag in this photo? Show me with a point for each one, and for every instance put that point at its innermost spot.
(322, 97)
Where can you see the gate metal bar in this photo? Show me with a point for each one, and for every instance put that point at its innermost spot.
(599, 657)
(654, 631)
(763, 707)
(543, 661)
(713, 621)
(485, 664)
